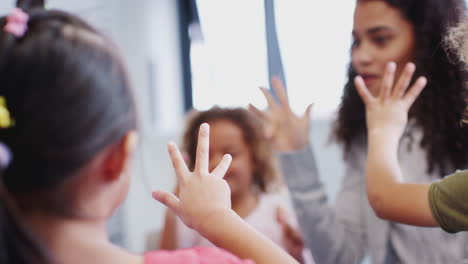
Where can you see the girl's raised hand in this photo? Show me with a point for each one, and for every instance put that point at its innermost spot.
(201, 193)
(388, 112)
(286, 131)
(294, 243)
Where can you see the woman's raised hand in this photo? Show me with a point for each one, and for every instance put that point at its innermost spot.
(286, 131)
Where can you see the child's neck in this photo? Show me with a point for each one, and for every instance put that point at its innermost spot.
(245, 203)
(77, 240)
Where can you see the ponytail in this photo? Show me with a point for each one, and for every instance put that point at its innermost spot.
(28, 5)
(17, 246)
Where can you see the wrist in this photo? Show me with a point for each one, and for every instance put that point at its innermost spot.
(170, 216)
(382, 144)
(213, 219)
(291, 148)
(385, 133)
(293, 145)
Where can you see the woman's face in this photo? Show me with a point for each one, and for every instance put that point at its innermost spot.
(381, 34)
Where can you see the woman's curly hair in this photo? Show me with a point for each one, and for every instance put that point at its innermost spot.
(266, 173)
(457, 42)
(441, 105)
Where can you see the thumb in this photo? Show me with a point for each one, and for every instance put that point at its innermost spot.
(281, 217)
(308, 111)
(289, 231)
(168, 199)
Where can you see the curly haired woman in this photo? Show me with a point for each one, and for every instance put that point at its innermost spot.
(432, 146)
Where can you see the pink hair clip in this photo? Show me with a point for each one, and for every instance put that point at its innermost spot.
(17, 23)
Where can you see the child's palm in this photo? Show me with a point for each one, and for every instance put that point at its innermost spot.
(388, 112)
(387, 115)
(200, 193)
(200, 196)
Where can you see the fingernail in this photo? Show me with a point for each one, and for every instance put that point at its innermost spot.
(155, 195)
(359, 79)
(205, 127)
(170, 145)
(423, 80)
(391, 66)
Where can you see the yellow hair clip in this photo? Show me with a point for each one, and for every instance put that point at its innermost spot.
(5, 118)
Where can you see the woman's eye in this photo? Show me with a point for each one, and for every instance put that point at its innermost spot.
(355, 43)
(381, 40)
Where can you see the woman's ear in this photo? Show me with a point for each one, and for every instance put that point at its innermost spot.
(119, 156)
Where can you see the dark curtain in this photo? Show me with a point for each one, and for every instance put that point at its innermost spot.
(188, 15)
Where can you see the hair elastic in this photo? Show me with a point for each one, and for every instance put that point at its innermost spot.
(17, 23)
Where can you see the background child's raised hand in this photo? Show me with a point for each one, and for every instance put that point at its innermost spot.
(292, 237)
(201, 193)
(388, 112)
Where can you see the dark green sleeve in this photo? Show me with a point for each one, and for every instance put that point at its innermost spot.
(448, 200)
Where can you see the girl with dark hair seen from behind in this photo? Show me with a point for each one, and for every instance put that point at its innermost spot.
(433, 144)
(72, 138)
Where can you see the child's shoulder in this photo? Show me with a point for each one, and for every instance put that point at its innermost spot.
(275, 199)
(199, 255)
(268, 205)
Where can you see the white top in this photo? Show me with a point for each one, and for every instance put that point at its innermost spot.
(262, 218)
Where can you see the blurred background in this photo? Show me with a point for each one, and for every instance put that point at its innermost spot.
(186, 53)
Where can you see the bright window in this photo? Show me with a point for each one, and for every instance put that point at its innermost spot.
(231, 62)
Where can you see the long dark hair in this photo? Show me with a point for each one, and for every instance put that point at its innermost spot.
(440, 107)
(17, 244)
(67, 91)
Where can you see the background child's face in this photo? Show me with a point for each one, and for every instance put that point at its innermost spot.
(381, 34)
(228, 138)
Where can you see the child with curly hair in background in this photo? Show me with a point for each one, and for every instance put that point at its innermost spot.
(253, 178)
